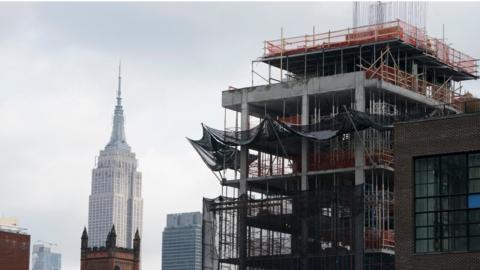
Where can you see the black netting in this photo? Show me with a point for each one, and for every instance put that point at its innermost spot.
(216, 154)
(218, 148)
(341, 123)
(271, 130)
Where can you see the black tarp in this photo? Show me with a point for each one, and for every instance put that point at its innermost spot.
(217, 147)
(217, 155)
(272, 130)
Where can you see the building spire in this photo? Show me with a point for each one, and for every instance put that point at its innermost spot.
(84, 243)
(111, 238)
(119, 91)
(117, 139)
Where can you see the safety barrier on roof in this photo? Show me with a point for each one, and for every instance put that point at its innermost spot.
(393, 30)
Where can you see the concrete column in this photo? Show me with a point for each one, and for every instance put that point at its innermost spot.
(359, 148)
(304, 181)
(244, 125)
(242, 192)
(358, 217)
(305, 116)
(415, 73)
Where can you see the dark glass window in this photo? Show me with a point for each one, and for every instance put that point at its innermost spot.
(447, 203)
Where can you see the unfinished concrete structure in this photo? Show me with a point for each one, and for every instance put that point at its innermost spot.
(313, 201)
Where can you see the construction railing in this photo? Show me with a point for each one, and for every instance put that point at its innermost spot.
(379, 239)
(409, 81)
(369, 34)
(270, 165)
(467, 104)
(346, 159)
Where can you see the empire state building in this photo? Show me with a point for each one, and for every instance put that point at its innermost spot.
(116, 197)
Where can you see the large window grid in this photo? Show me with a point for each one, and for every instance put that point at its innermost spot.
(447, 203)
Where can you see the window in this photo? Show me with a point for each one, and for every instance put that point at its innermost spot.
(447, 203)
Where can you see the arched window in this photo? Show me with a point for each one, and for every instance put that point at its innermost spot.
(117, 267)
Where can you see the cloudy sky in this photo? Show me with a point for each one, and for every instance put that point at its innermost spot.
(58, 68)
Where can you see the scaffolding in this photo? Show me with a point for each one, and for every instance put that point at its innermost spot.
(374, 33)
(300, 202)
(274, 229)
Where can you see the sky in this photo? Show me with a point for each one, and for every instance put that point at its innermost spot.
(58, 69)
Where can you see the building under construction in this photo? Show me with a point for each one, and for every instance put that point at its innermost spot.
(307, 170)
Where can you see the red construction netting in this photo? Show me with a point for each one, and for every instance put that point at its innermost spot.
(377, 239)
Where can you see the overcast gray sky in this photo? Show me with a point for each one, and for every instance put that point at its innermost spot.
(58, 68)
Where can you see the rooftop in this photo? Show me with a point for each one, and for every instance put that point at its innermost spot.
(12, 229)
(398, 33)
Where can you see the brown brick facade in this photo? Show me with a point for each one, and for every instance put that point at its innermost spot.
(14, 251)
(423, 138)
(110, 257)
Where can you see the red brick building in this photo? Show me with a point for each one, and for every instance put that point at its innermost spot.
(14, 250)
(110, 257)
(437, 193)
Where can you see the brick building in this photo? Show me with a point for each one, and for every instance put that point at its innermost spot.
(110, 257)
(14, 249)
(437, 193)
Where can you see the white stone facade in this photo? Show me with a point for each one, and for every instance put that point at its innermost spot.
(116, 196)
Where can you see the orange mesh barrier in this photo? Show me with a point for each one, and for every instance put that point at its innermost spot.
(346, 159)
(376, 239)
(369, 34)
(408, 81)
(294, 119)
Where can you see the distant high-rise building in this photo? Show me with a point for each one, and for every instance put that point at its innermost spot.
(14, 248)
(44, 259)
(116, 188)
(182, 242)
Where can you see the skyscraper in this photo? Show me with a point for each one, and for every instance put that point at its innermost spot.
(182, 242)
(116, 197)
(44, 259)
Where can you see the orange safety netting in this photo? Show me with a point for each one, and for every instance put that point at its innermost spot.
(370, 34)
(376, 239)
